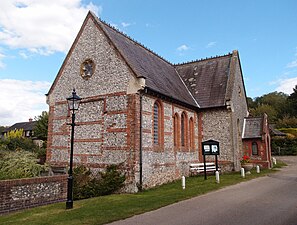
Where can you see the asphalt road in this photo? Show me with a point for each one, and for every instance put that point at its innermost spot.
(270, 200)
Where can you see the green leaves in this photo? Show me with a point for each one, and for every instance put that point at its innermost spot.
(41, 127)
(19, 164)
(104, 183)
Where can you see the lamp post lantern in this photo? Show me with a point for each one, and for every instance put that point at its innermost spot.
(73, 104)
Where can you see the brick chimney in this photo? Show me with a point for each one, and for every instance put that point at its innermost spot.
(30, 120)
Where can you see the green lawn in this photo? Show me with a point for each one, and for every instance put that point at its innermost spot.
(106, 209)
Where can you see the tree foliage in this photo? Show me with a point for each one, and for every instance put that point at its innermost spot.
(280, 108)
(41, 127)
(12, 134)
(292, 102)
(19, 164)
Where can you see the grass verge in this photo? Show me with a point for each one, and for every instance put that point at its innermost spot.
(106, 209)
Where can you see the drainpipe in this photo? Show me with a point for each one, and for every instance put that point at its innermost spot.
(140, 140)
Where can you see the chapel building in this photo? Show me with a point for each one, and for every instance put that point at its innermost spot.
(141, 111)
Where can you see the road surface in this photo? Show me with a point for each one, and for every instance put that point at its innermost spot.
(270, 200)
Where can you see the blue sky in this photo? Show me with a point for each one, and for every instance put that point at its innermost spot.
(35, 36)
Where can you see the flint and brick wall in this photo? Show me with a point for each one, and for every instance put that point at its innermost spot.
(31, 192)
(165, 163)
(105, 134)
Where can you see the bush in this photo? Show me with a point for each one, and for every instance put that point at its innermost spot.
(81, 182)
(104, 183)
(287, 146)
(18, 143)
(289, 131)
(19, 164)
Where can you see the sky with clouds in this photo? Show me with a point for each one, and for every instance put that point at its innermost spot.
(35, 36)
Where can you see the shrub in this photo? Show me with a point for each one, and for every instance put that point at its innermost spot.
(19, 164)
(104, 183)
(292, 131)
(81, 182)
(287, 146)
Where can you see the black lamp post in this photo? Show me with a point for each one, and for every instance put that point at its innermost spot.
(73, 104)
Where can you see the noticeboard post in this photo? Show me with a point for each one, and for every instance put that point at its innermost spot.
(210, 147)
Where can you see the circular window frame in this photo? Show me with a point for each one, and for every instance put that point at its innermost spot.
(87, 69)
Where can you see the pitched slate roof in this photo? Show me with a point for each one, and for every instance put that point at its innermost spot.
(275, 132)
(202, 84)
(207, 80)
(26, 126)
(253, 127)
(160, 75)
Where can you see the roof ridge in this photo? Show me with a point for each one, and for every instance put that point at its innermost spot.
(203, 59)
(133, 40)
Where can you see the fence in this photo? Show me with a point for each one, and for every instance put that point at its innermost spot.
(30, 192)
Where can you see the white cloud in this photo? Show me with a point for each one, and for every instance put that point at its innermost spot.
(211, 44)
(183, 48)
(125, 24)
(2, 65)
(21, 100)
(287, 85)
(42, 27)
(292, 64)
(24, 55)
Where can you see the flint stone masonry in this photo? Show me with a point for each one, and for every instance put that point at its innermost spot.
(92, 44)
(92, 131)
(33, 191)
(87, 147)
(59, 155)
(109, 157)
(115, 121)
(163, 174)
(60, 126)
(60, 140)
(30, 192)
(118, 139)
(61, 110)
(167, 163)
(90, 111)
(216, 125)
(147, 122)
(116, 103)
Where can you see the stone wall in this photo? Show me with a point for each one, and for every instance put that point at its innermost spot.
(30, 192)
(105, 119)
(217, 126)
(165, 163)
(239, 109)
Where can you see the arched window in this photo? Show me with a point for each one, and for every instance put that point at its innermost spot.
(254, 148)
(191, 133)
(176, 130)
(157, 123)
(184, 129)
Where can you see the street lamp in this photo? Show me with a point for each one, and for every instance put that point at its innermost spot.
(73, 104)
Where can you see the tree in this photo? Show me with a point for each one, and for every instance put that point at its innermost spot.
(277, 100)
(2, 128)
(251, 103)
(41, 127)
(292, 102)
(269, 110)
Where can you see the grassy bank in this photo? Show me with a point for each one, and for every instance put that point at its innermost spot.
(105, 209)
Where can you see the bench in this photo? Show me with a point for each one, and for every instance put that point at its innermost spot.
(199, 167)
